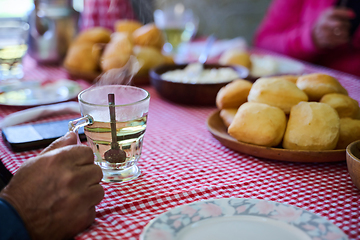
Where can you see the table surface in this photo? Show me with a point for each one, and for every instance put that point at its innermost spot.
(182, 163)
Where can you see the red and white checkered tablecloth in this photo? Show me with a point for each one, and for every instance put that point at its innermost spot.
(181, 163)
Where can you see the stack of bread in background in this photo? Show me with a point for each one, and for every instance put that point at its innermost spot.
(260, 65)
(308, 112)
(99, 50)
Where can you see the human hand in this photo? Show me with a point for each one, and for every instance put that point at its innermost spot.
(69, 139)
(56, 192)
(332, 28)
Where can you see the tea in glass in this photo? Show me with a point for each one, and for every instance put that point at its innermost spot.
(114, 129)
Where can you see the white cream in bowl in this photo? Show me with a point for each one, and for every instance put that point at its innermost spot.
(196, 73)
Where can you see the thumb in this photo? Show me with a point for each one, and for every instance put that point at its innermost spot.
(69, 138)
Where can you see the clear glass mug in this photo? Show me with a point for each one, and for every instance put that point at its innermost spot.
(114, 128)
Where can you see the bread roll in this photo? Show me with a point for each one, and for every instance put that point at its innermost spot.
(263, 65)
(83, 57)
(312, 126)
(233, 94)
(343, 104)
(94, 35)
(148, 35)
(349, 132)
(169, 59)
(126, 25)
(291, 78)
(227, 115)
(317, 85)
(357, 116)
(235, 57)
(276, 92)
(117, 52)
(259, 124)
(148, 57)
(114, 62)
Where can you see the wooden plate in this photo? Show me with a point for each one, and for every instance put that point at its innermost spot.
(217, 128)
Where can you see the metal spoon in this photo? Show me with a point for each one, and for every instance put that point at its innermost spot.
(115, 154)
(195, 69)
(205, 54)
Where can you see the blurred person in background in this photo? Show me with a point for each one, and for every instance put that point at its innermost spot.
(323, 32)
(53, 195)
(104, 13)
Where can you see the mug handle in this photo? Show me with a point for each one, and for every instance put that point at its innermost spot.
(78, 123)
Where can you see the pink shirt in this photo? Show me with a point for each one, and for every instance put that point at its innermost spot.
(287, 28)
(105, 13)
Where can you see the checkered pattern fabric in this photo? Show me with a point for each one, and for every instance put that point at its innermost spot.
(181, 163)
(104, 13)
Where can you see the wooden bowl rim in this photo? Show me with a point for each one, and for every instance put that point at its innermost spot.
(349, 150)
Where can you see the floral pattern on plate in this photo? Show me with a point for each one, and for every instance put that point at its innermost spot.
(168, 225)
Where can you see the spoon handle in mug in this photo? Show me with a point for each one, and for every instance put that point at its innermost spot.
(111, 99)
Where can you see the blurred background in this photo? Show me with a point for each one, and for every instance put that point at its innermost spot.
(226, 18)
(15, 8)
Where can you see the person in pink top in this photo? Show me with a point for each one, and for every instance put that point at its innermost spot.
(322, 32)
(105, 13)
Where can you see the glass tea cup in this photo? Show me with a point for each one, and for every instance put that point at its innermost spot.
(114, 118)
(179, 25)
(13, 46)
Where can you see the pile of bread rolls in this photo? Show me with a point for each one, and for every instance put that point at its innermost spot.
(308, 112)
(99, 50)
(236, 57)
(259, 65)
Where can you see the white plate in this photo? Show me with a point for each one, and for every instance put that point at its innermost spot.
(37, 94)
(266, 65)
(240, 218)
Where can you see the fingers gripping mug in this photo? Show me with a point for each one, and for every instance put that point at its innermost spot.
(114, 118)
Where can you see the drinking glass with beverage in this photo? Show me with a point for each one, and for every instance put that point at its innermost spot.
(114, 118)
(13, 46)
(179, 25)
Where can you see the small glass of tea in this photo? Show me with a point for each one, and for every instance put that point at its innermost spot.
(13, 46)
(178, 24)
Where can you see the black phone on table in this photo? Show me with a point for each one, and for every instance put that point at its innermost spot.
(34, 136)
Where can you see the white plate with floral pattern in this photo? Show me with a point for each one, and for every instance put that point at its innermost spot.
(240, 218)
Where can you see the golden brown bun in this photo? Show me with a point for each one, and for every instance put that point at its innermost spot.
(357, 116)
(126, 25)
(94, 35)
(233, 94)
(291, 78)
(83, 57)
(227, 115)
(349, 132)
(235, 57)
(312, 126)
(259, 124)
(117, 52)
(148, 57)
(276, 92)
(114, 62)
(169, 59)
(343, 104)
(148, 35)
(317, 85)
